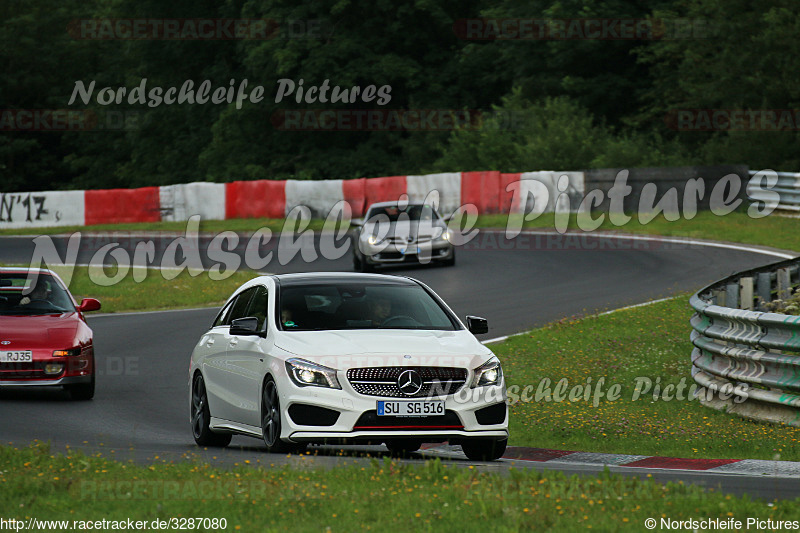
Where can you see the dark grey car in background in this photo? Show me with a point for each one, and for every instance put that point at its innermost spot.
(394, 233)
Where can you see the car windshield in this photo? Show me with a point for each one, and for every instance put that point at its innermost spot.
(338, 306)
(413, 212)
(17, 297)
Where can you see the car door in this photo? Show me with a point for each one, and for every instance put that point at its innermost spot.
(246, 361)
(220, 385)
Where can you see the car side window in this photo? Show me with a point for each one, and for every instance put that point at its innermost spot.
(222, 317)
(258, 307)
(239, 308)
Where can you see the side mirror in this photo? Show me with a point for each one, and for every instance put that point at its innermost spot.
(245, 326)
(477, 325)
(89, 304)
(357, 222)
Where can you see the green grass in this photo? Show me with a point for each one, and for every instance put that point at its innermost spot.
(651, 342)
(381, 496)
(775, 231)
(154, 292)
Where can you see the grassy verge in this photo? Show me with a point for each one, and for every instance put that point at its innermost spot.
(383, 496)
(775, 231)
(154, 292)
(626, 348)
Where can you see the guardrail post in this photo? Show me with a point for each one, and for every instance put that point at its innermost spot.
(784, 284)
(764, 289)
(732, 295)
(718, 297)
(746, 293)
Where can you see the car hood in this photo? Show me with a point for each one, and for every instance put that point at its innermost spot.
(356, 348)
(43, 331)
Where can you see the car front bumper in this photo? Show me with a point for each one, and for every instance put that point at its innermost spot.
(460, 423)
(418, 253)
(66, 380)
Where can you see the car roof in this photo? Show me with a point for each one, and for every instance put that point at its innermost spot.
(24, 270)
(395, 204)
(316, 278)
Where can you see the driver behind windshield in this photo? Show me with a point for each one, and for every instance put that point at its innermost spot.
(380, 310)
(39, 294)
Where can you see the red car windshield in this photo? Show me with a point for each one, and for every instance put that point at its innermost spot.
(17, 297)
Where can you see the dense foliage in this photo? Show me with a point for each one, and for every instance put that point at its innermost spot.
(545, 103)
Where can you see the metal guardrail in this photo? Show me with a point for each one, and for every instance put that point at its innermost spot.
(788, 188)
(746, 360)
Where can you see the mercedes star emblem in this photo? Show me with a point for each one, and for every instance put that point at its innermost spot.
(409, 382)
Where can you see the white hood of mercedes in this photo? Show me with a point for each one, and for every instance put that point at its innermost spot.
(359, 348)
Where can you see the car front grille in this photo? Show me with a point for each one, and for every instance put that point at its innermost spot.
(403, 241)
(370, 421)
(382, 381)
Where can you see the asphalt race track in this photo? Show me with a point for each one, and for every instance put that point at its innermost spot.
(141, 407)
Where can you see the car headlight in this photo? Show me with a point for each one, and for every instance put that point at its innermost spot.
(373, 240)
(489, 373)
(445, 236)
(307, 374)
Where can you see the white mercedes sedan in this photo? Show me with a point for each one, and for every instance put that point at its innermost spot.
(343, 358)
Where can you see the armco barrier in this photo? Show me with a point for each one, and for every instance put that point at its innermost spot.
(787, 189)
(488, 191)
(120, 206)
(747, 360)
(482, 189)
(255, 199)
(42, 209)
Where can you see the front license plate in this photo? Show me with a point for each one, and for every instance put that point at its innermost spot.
(411, 408)
(19, 356)
(407, 251)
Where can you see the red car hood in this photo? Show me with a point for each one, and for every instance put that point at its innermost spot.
(46, 331)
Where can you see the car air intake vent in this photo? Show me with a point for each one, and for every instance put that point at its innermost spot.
(312, 415)
(371, 421)
(383, 381)
(33, 370)
(489, 416)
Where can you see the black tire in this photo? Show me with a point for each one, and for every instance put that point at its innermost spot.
(83, 392)
(271, 419)
(201, 417)
(484, 449)
(403, 447)
(452, 261)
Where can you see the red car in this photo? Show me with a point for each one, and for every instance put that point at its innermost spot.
(44, 338)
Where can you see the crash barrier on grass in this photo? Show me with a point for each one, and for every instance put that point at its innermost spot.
(487, 191)
(785, 195)
(675, 188)
(746, 359)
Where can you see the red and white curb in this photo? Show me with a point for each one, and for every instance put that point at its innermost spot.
(722, 466)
